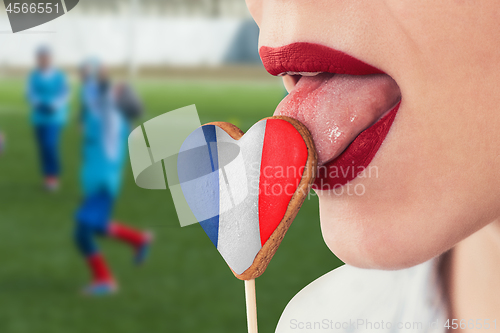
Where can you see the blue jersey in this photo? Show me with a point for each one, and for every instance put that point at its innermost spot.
(105, 135)
(48, 96)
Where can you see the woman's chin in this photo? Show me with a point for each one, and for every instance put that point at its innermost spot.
(374, 241)
(369, 254)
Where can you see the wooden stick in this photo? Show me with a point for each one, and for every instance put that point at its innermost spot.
(251, 301)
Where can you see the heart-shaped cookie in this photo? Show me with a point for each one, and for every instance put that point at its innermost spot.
(245, 190)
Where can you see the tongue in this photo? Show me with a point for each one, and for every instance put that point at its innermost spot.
(336, 108)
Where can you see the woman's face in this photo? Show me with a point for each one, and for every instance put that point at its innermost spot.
(434, 179)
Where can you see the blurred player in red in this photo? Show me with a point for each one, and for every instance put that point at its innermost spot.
(105, 132)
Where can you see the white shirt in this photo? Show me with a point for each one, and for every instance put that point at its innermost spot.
(350, 299)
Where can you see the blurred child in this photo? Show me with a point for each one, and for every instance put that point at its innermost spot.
(105, 133)
(48, 97)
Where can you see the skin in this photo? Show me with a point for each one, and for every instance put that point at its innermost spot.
(472, 277)
(438, 168)
(43, 61)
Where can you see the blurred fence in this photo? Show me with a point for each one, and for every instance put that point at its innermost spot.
(213, 8)
(140, 33)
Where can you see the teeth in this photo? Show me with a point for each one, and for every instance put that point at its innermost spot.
(300, 73)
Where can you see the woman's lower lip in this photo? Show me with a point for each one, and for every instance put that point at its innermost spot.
(357, 156)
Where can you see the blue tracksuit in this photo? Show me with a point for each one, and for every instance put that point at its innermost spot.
(105, 133)
(48, 97)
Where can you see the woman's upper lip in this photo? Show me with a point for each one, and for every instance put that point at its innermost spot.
(308, 57)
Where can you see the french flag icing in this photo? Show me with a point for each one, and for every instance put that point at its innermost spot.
(239, 190)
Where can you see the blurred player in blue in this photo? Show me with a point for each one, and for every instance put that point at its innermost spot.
(105, 133)
(48, 95)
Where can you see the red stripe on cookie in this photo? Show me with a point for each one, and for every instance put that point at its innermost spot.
(284, 156)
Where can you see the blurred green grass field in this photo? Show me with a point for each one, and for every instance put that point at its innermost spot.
(186, 286)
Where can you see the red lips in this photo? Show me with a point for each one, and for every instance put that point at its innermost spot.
(308, 57)
(362, 140)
